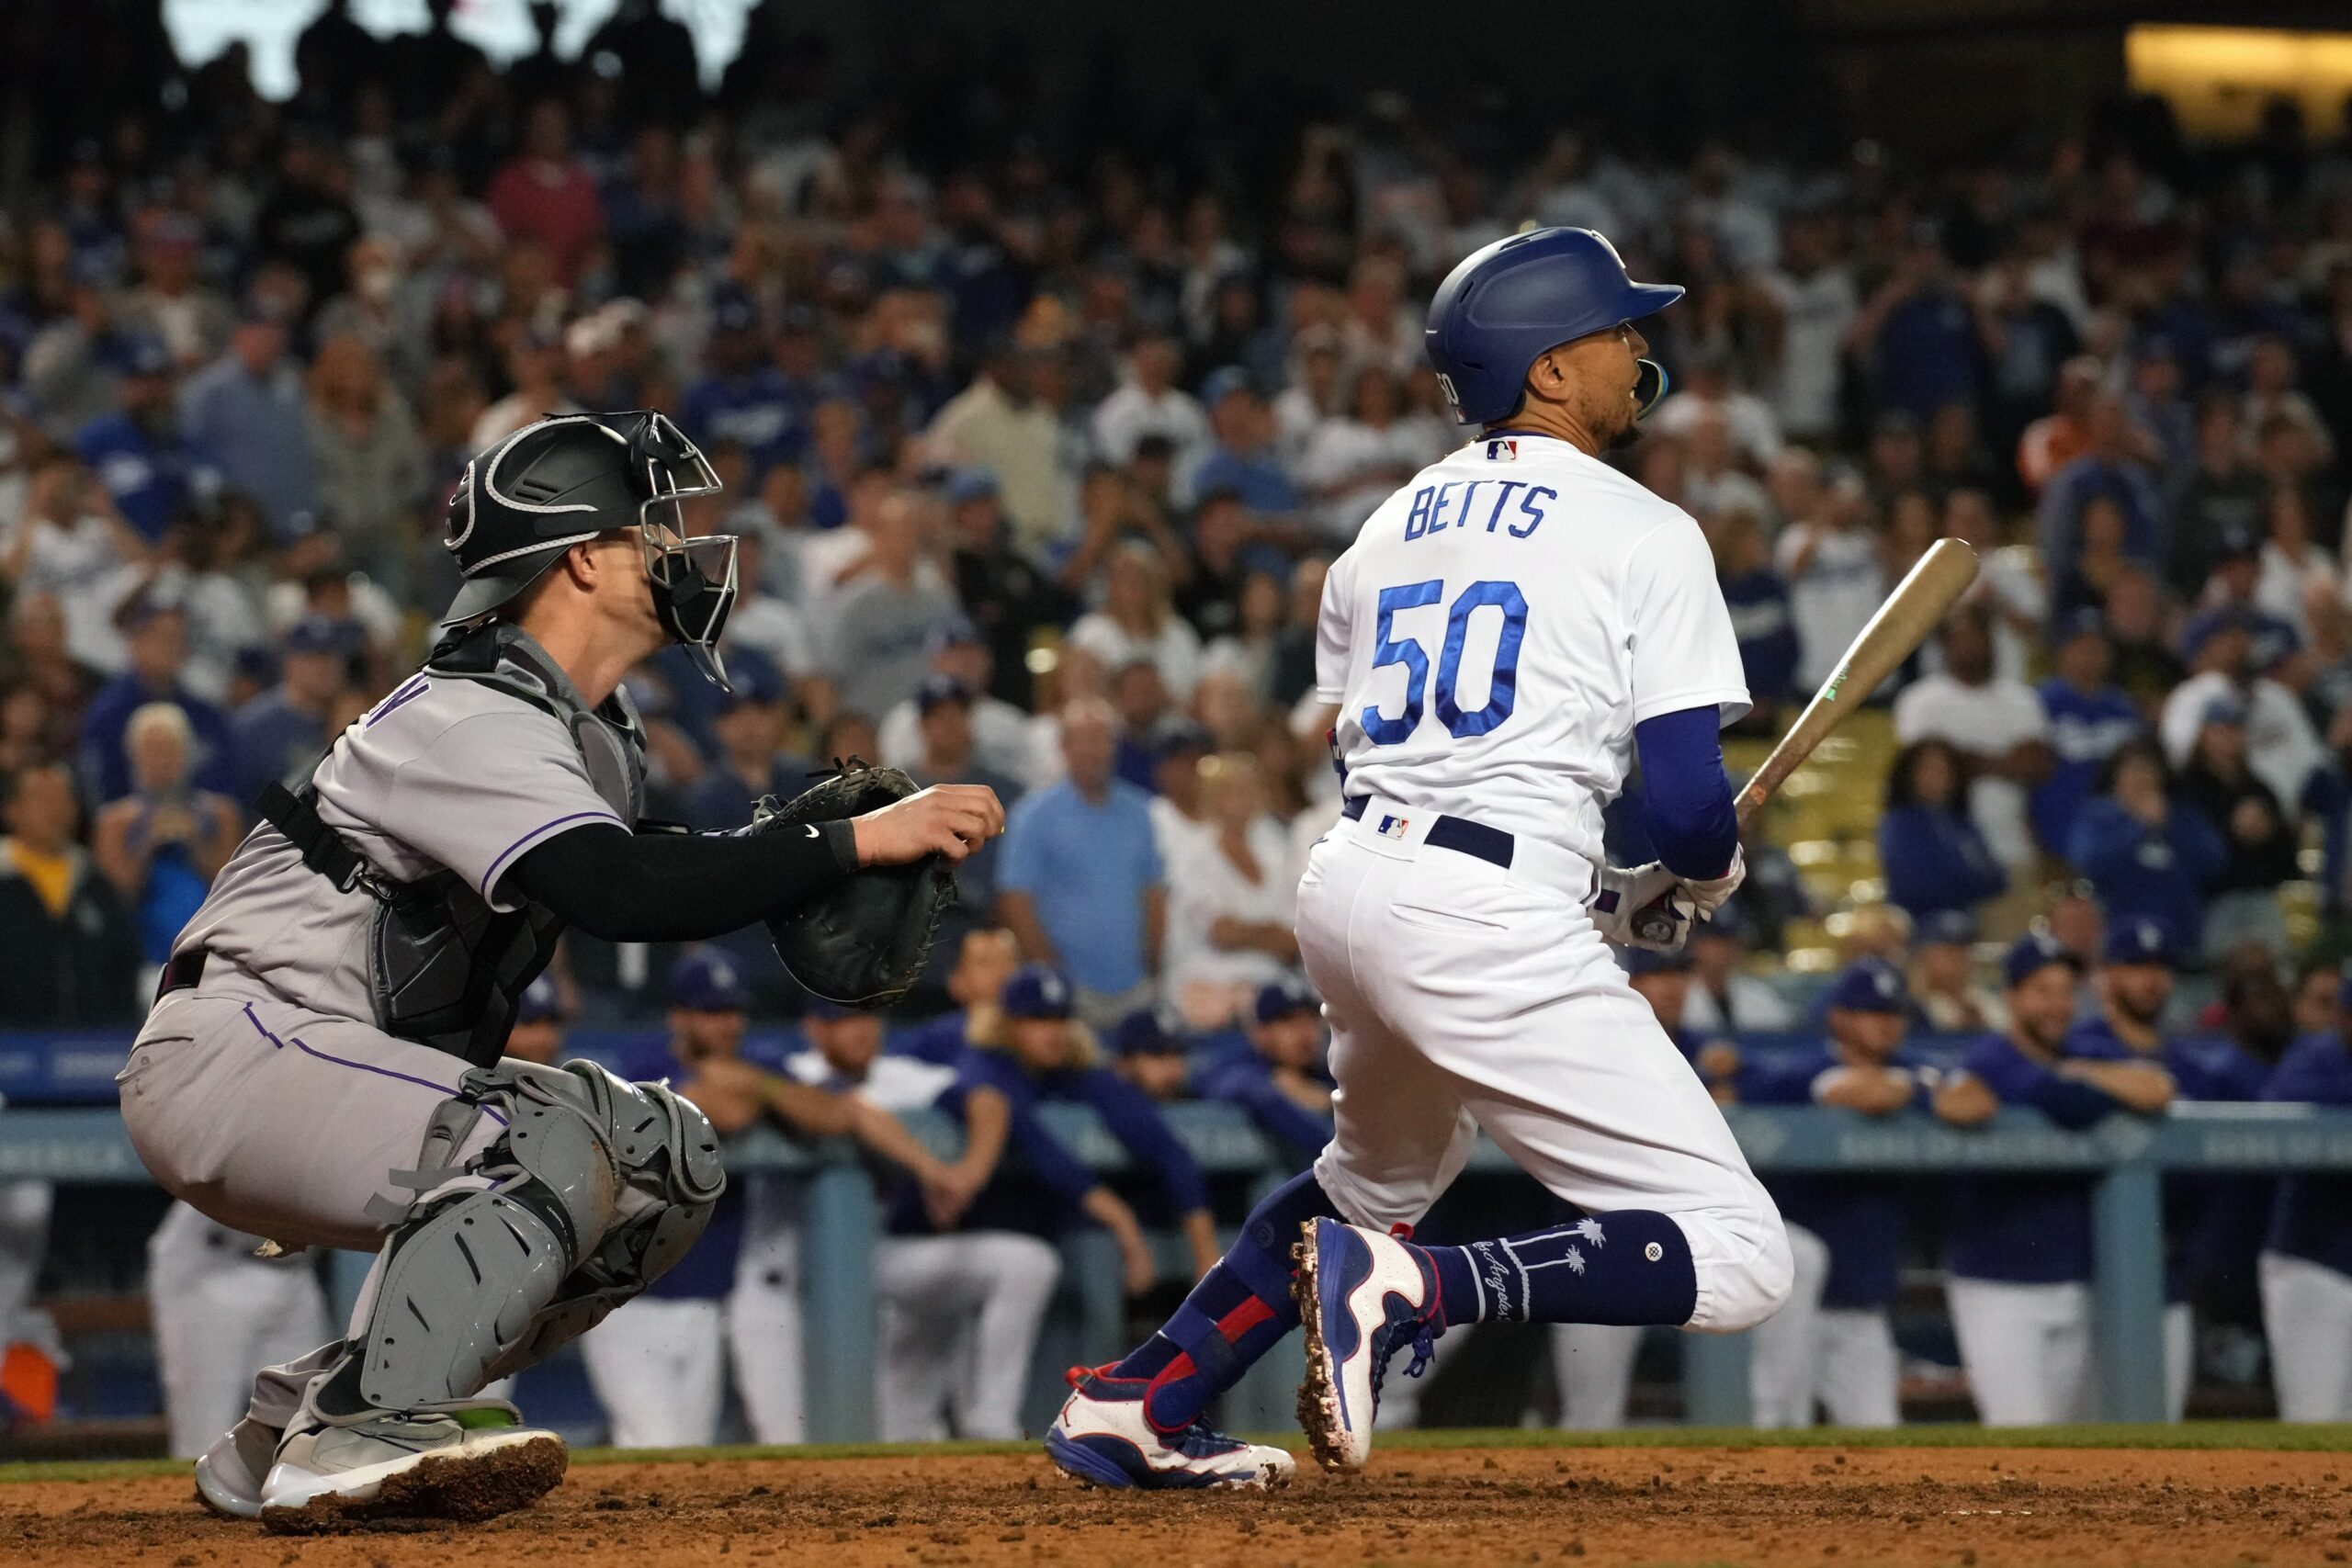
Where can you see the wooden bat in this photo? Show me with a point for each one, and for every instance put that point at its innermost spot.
(1901, 625)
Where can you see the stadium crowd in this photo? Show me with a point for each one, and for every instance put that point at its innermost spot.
(1038, 455)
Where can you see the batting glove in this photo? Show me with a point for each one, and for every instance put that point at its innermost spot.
(1638, 907)
(1706, 895)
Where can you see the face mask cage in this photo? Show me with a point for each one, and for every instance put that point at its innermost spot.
(693, 575)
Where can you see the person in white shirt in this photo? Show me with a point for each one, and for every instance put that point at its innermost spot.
(70, 542)
(1313, 394)
(1818, 302)
(1353, 462)
(1747, 419)
(1138, 621)
(1230, 899)
(1997, 724)
(1150, 403)
(1829, 560)
(1179, 818)
(2282, 749)
(1713, 483)
(1002, 742)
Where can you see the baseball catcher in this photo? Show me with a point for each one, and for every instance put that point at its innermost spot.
(323, 1065)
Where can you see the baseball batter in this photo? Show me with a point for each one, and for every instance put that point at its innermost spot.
(1507, 632)
(322, 1065)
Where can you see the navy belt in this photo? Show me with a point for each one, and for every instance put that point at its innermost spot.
(1456, 833)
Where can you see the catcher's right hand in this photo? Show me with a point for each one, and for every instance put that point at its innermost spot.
(954, 820)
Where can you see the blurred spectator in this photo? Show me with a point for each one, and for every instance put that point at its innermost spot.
(139, 453)
(162, 844)
(1149, 402)
(2230, 598)
(887, 611)
(749, 727)
(1138, 621)
(1945, 992)
(1760, 614)
(280, 735)
(1001, 741)
(72, 952)
(371, 461)
(72, 548)
(1917, 334)
(2260, 839)
(546, 194)
(1933, 855)
(2148, 855)
(2112, 468)
(2220, 648)
(1997, 724)
(2057, 439)
(2222, 494)
(1009, 599)
(1829, 560)
(1180, 822)
(1353, 461)
(741, 398)
(1081, 884)
(247, 408)
(1229, 899)
(1723, 998)
(173, 302)
(1813, 288)
(1280, 1079)
(1001, 432)
(1240, 459)
(2090, 716)
(2292, 565)
(535, 367)
(158, 634)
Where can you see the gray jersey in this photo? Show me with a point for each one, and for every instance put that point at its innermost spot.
(446, 772)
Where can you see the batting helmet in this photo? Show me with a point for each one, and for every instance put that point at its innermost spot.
(1507, 303)
(570, 478)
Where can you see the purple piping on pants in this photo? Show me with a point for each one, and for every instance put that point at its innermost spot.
(340, 1062)
(489, 878)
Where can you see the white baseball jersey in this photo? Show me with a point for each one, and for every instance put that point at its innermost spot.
(1500, 626)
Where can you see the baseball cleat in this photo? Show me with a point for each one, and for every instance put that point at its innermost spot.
(228, 1473)
(1361, 1297)
(1103, 1438)
(471, 1463)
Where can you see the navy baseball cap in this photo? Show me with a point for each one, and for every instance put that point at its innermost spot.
(2203, 629)
(539, 1003)
(1147, 1032)
(1222, 384)
(824, 1009)
(1869, 985)
(321, 634)
(706, 981)
(1947, 928)
(1281, 998)
(970, 484)
(734, 311)
(955, 631)
(1035, 990)
(2031, 953)
(2084, 622)
(939, 688)
(753, 677)
(2142, 939)
(2236, 541)
(1182, 737)
(1645, 961)
(2226, 708)
(140, 354)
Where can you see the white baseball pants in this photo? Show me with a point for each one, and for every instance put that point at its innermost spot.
(2307, 1312)
(763, 1324)
(1463, 996)
(960, 1315)
(1843, 1358)
(220, 1313)
(658, 1367)
(1592, 1365)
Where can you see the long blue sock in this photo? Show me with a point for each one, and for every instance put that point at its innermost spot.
(1240, 1310)
(1630, 1267)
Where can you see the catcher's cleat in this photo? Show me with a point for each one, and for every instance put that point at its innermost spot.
(228, 1473)
(1103, 1438)
(473, 1463)
(1361, 1297)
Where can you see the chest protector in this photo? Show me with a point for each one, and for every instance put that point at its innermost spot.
(444, 969)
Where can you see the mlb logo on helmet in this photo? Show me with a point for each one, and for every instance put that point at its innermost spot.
(1393, 826)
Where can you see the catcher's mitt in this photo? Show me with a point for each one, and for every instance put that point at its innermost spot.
(862, 940)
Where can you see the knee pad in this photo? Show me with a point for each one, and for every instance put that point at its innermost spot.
(595, 1187)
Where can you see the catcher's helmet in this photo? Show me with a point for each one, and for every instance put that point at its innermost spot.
(567, 479)
(1507, 303)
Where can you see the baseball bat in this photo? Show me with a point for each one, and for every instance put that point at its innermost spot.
(1890, 636)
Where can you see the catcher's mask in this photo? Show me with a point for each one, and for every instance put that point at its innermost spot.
(571, 478)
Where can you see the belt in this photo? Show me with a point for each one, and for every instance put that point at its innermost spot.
(182, 972)
(1456, 833)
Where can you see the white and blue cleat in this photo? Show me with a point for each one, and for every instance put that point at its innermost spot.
(1103, 1438)
(1361, 1297)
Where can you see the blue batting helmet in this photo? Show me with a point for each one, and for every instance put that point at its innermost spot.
(1507, 303)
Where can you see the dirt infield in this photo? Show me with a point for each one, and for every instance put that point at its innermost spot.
(1978, 1507)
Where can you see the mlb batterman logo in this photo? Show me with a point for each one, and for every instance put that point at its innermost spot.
(1502, 449)
(1393, 826)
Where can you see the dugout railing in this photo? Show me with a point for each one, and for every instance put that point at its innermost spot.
(841, 1215)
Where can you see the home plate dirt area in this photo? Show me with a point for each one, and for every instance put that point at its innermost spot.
(1447, 1498)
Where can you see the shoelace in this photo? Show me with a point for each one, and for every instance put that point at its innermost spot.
(1424, 1344)
(1201, 1441)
